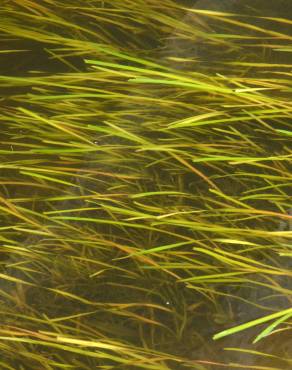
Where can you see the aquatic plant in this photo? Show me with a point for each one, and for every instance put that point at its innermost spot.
(145, 185)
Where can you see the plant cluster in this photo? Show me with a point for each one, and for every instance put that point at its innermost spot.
(145, 185)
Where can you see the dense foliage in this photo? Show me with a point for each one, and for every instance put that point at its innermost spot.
(145, 185)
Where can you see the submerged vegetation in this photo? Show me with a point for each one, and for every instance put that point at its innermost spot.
(146, 214)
